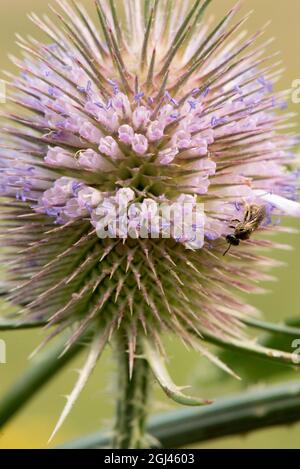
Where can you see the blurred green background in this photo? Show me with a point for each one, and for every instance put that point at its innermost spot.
(93, 411)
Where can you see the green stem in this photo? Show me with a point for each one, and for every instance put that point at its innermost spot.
(132, 402)
(245, 412)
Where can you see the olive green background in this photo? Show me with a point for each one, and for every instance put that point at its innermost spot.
(93, 411)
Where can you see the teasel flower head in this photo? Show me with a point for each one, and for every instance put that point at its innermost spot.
(150, 105)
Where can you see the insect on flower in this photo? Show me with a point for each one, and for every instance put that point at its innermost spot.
(253, 218)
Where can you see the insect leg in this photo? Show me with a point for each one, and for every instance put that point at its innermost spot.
(227, 250)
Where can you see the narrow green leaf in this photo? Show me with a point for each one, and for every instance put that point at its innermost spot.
(95, 350)
(45, 367)
(215, 31)
(252, 348)
(116, 22)
(146, 40)
(280, 337)
(198, 18)
(161, 374)
(182, 29)
(113, 47)
(146, 11)
(172, 54)
(87, 23)
(149, 80)
(271, 327)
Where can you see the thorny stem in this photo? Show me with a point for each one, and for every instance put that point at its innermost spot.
(235, 415)
(133, 391)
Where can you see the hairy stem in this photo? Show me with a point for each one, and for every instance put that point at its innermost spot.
(133, 388)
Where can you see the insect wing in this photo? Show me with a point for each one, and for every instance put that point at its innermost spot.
(257, 216)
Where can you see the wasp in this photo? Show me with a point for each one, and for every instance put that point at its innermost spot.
(253, 218)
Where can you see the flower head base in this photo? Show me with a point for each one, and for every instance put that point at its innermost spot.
(153, 110)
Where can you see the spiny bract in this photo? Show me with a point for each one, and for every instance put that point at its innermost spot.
(152, 104)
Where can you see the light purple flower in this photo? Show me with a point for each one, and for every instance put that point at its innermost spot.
(140, 144)
(57, 157)
(108, 146)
